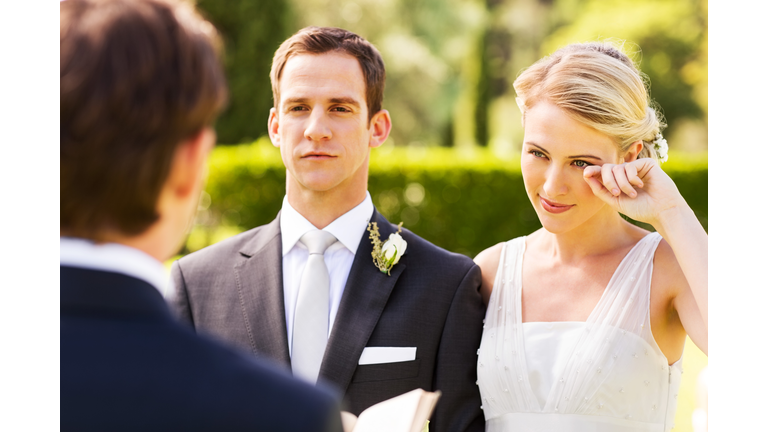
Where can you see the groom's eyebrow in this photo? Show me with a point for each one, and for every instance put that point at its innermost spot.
(336, 100)
(345, 100)
(294, 100)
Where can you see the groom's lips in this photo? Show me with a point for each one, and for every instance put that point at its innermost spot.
(317, 156)
(554, 207)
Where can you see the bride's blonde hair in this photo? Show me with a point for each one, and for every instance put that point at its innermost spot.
(598, 85)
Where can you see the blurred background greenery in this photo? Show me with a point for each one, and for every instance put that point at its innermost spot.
(451, 63)
(456, 132)
(450, 169)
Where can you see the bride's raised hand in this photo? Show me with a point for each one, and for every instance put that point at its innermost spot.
(639, 189)
(643, 191)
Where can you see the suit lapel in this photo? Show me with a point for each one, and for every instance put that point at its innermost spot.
(260, 286)
(365, 295)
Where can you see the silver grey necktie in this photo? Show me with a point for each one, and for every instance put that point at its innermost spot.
(310, 320)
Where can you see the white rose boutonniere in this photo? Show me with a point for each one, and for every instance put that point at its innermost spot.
(393, 249)
(388, 254)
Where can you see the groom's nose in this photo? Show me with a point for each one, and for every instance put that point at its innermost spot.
(318, 127)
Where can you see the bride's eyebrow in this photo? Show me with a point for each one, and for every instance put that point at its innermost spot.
(537, 146)
(584, 156)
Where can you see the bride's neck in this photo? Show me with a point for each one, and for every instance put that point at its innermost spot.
(600, 235)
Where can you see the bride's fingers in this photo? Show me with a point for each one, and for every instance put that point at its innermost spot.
(632, 176)
(592, 179)
(620, 174)
(608, 179)
(592, 171)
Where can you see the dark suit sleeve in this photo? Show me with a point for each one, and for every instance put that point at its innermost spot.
(179, 301)
(456, 369)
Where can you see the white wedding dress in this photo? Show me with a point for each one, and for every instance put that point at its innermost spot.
(605, 374)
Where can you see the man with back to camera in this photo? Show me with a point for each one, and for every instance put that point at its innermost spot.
(304, 290)
(141, 84)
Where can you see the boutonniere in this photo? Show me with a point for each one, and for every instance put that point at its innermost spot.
(386, 255)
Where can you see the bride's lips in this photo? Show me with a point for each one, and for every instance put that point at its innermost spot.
(554, 207)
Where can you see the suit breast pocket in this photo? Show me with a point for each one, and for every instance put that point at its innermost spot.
(386, 371)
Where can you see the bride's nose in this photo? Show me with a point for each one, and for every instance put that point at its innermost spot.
(555, 182)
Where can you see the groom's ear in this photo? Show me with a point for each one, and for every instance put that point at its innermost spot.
(273, 127)
(380, 126)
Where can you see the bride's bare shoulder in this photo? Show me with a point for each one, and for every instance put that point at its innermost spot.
(488, 261)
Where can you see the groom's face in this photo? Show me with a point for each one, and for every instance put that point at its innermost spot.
(321, 123)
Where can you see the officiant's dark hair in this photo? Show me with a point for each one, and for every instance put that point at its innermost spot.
(137, 79)
(321, 40)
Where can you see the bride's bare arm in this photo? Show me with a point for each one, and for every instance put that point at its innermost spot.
(488, 261)
(689, 242)
(644, 192)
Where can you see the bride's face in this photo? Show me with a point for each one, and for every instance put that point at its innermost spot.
(556, 149)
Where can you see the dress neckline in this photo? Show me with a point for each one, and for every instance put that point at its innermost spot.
(519, 281)
(590, 318)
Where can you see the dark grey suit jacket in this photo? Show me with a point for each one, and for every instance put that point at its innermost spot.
(234, 290)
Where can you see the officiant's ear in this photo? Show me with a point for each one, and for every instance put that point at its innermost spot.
(273, 127)
(633, 151)
(189, 164)
(379, 128)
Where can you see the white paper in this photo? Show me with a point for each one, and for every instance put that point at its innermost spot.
(379, 355)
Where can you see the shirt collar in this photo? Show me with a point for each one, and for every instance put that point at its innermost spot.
(112, 257)
(347, 228)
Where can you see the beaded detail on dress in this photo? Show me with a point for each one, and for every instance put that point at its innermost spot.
(615, 377)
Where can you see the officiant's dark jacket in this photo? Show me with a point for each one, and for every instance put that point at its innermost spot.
(430, 301)
(128, 365)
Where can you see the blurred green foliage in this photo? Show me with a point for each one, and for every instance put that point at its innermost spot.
(451, 63)
(461, 200)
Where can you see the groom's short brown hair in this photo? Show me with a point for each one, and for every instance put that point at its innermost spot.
(320, 40)
(137, 78)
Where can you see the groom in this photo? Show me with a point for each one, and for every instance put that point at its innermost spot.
(303, 290)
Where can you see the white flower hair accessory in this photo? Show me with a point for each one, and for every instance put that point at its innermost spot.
(661, 147)
(386, 255)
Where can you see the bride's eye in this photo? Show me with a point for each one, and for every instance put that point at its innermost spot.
(581, 163)
(537, 153)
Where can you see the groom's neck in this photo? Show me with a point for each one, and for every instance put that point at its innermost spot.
(321, 208)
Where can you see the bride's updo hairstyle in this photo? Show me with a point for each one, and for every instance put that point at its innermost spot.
(598, 85)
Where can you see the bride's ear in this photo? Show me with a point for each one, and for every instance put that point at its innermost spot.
(634, 149)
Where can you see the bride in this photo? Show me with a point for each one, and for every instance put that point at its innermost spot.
(587, 316)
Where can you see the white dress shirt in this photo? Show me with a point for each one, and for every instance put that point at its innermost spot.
(113, 257)
(348, 230)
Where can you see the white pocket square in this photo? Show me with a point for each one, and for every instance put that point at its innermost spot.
(379, 355)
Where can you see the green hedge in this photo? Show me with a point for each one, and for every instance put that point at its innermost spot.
(462, 201)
